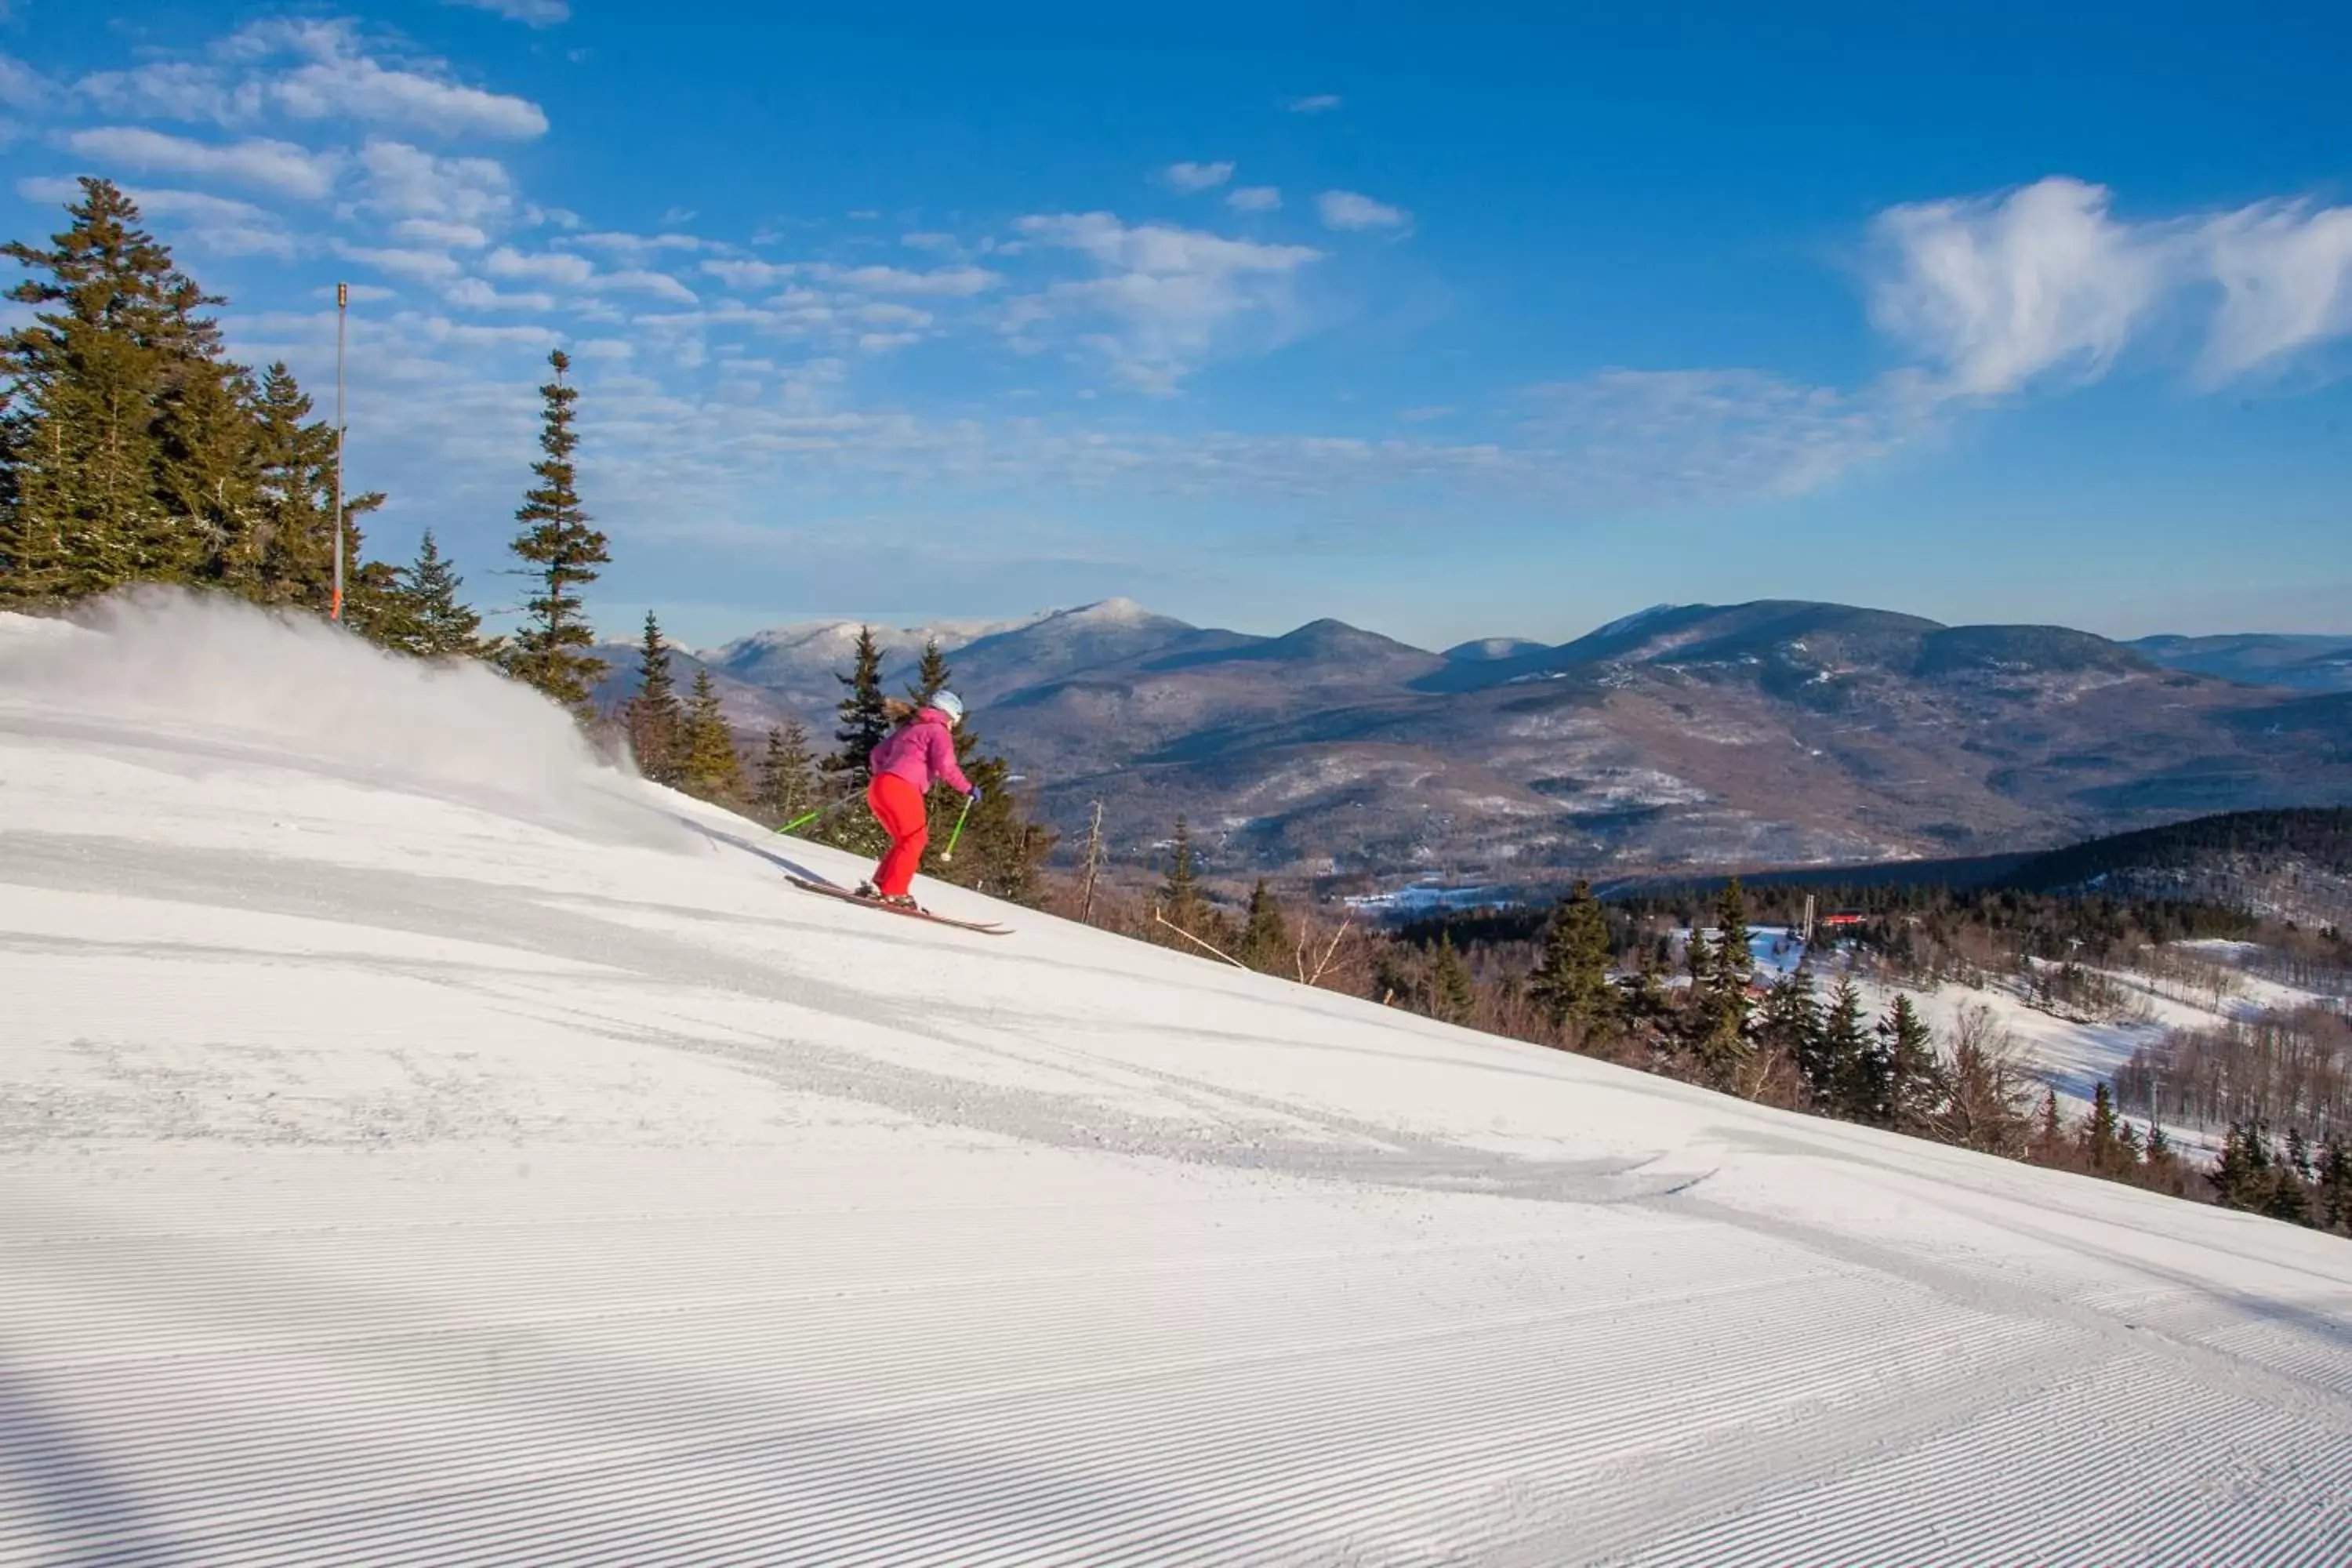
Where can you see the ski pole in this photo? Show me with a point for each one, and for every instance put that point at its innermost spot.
(948, 854)
(806, 818)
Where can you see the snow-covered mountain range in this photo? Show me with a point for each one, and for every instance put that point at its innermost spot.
(1775, 732)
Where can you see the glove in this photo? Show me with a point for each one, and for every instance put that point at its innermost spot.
(973, 794)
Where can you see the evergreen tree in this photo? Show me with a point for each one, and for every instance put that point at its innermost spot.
(2099, 1138)
(1265, 944)
(787, 774)
(207, 471)
(1848, 1082)
(2298, 1153)
(655, 718)
(931, 674)
(865, 719)
(562, 553)
(2049, 1132)
(1791, 1022)
(709, 770)
(1181, 904)
(1571, 983)
(424, 615)
(1452, 996)
(2242, 1177)
(2335, 1185)
(1911, 1074)
(116, 334)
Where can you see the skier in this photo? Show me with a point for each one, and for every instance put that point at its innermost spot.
(919, 751)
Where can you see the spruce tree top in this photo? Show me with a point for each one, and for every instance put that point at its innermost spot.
(112, 274)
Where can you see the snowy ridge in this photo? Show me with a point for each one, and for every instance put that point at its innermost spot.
(402, 1159)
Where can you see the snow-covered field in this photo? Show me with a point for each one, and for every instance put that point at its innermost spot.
(419, 1145)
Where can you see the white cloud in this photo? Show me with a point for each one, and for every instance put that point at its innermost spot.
(940, 283)
(530, 13)
(1190, 177)
(279, 166)
(1998, 293)
(401, 181)
(474, 294)
(1321, 103)
(546, 267)
(245, 76)
(750, 274)
(2286, 273)
(435, 231)
(176, 90)
(417, 266)
(1255, 199)
(604, 349)
(643, 244)
(1665, 435)
(1347, 210)
(878, 342)
(22, 87)
(927, 241)
(884, 313)
(660, 284)
(1170, 297)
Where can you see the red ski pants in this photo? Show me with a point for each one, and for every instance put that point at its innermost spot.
(899, 807)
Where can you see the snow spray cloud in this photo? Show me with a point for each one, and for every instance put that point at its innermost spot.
(294, 688)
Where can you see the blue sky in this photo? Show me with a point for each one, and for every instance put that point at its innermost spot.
(1469, 322)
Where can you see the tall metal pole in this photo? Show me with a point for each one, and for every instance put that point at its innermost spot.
(342, 309)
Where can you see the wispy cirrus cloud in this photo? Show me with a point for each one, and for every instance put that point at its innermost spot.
(1195, 177)
(310, 70)
(1164, 300)
(279, 166)
(1348, 211)
(1319, 103)
(2044, 286)
(530, 13)
(1255, 199)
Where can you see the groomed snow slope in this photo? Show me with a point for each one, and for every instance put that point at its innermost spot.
(418, 1145)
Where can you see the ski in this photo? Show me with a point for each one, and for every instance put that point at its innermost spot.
(846, 897)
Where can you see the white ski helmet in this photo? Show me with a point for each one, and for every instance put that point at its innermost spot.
(948, 703)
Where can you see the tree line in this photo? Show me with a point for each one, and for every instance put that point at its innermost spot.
(1670, 986)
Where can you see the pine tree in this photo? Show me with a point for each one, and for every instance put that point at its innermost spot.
(88, 379)
(710, 769)
(931, 674)
(655, 718)
(448, 626)
(289, 553)
(1571, 983)
(2048, 1136)
(1849, 1083)
(207, 471)
(1266, 938)
(787, 774)
(2335, 1185)
(1792, 1024)
(422, 613)
(1181, 901)
(1452, 996)
(865, 720)
(1912, 1078)
(2241, 1176)
(2099, 1138)
(562, 552)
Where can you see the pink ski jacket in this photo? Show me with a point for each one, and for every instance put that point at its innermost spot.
(921, 751)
